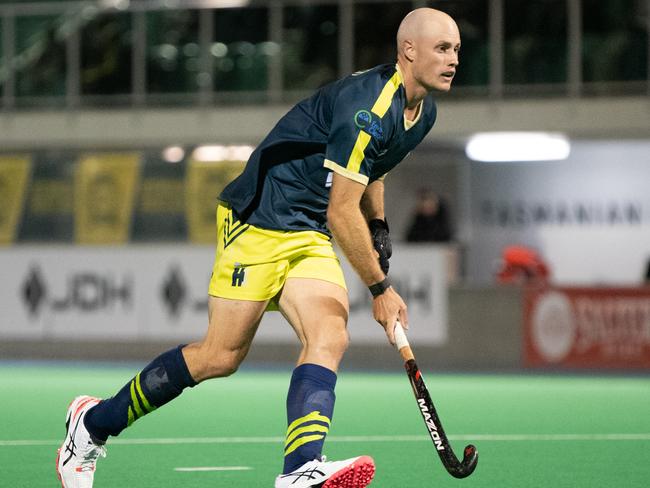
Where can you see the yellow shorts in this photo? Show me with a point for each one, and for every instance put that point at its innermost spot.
(253, 263)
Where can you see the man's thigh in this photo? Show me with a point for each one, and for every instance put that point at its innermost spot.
(232, 323)
(232, 326)
(318, 312)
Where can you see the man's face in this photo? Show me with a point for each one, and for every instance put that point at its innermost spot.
(436, 58)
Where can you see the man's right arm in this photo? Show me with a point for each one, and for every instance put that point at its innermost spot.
(349, 227)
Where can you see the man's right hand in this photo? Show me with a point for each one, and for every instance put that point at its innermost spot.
(387, 308)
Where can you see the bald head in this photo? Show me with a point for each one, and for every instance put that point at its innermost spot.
(423, 22)
(428, 43)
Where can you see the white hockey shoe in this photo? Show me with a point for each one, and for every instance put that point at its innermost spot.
(351, 473)
(77, 456)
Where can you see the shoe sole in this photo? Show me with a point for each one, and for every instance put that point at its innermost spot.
(359, 474)
(70, 417)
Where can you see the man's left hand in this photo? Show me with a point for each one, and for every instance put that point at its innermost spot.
(381, 242)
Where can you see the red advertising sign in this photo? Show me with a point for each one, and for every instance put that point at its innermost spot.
(587, 327)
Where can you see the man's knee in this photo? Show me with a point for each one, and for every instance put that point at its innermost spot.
(341, 341)
(220, 364)
(334, 343)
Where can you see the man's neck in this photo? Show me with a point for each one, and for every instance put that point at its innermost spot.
(415, 93)
(411, 114)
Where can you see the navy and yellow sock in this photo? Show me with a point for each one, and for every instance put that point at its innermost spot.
(310, 405)
(159, 382)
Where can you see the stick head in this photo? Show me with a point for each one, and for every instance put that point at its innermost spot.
(468, 464)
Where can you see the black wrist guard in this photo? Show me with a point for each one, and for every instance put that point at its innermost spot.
(379, 288)
(381, 242)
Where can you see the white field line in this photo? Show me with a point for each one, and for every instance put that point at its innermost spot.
(367, 438)
(213, 468)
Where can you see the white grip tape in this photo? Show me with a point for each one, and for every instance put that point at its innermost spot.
(400, 336)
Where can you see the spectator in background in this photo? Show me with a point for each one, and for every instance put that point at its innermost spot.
(431, 219)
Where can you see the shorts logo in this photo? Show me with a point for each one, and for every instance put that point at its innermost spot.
(238, 275)
(364, 120)
(232, 229)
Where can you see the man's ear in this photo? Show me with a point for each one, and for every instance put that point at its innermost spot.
(408, 48)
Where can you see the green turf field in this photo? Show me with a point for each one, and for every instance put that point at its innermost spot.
(531, 431)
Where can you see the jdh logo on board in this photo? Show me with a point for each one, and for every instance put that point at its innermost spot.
(83, 291)
(415, 290)
(177, 296)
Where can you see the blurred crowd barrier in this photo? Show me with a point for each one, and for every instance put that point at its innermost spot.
(120, 52)
(109, 197)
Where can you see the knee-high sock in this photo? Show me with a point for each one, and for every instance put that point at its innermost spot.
(310, 404)
(159, 382)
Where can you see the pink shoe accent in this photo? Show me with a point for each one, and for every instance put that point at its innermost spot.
(357, 475)
(82, 404)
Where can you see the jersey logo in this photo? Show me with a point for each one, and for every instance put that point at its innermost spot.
(238, 275)
(328, 180)
(364, 120)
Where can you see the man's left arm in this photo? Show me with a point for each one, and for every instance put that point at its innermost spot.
(372, 201)
(372, 205)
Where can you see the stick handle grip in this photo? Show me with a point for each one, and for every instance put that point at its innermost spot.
(402, 343)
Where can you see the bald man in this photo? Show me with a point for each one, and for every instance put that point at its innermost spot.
(318, 175)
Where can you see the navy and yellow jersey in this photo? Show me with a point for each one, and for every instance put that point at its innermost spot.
(355, 127)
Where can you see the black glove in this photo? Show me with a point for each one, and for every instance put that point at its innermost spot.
(381, 242)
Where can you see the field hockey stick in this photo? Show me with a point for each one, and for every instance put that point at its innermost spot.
(451, 463)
